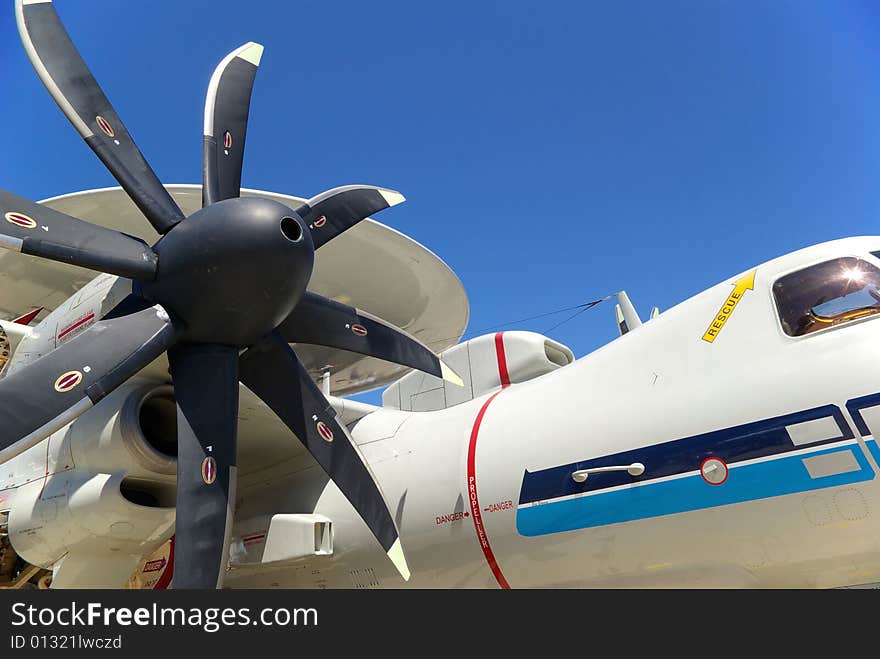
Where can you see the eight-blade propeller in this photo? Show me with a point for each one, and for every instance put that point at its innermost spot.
(222, 291)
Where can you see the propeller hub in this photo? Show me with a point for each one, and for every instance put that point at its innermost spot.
(234, 270)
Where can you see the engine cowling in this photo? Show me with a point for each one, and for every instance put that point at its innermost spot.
(485, 363)
(95, 497)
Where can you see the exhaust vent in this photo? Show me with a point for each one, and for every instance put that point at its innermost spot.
(148, 494)
(148, 425)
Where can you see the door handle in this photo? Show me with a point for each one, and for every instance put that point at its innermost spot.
(634, 469)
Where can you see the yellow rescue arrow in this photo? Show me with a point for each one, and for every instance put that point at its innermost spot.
(740, 286)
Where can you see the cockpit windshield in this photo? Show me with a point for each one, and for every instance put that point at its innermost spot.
(827, 294)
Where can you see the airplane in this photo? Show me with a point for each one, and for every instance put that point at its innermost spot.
(162, 425)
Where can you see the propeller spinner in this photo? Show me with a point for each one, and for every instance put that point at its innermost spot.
(223, 292)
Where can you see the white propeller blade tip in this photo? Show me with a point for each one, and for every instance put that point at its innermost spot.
(251, 52)
(449, 375)
(399, 560)
(391, 197)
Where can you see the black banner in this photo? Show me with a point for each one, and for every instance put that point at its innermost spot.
(413, 622)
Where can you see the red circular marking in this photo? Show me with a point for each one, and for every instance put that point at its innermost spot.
(67, 381)
(227, 140)
(360, 330)
(325, 432)
(321, 221)
(723, 466)
(20, 220)
(209, 470)
(105, 126)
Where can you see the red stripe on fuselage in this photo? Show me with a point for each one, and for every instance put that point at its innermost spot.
(476, 514)
(502, 359)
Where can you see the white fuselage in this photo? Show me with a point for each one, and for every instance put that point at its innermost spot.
(797, 516)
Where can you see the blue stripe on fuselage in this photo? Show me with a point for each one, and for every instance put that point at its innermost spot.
(785, 474)
(855, 407)
(745, 442)
(871, 443)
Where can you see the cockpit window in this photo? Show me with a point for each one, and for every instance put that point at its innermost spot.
(827, 294)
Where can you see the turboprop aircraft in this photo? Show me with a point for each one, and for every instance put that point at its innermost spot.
(162, 424)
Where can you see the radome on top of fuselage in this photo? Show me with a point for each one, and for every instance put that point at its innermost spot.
(428, 298)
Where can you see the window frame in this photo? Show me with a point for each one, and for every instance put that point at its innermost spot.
(869, 257)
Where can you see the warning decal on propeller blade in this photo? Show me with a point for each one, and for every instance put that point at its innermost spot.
(360, 330)
(105, 126)
(325, 432)
(227, 140)
(209, 470)
(68, 381)
(20, 220)
(321, 221)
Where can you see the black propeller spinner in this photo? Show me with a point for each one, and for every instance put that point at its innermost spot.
(251, 257)
(223, 292)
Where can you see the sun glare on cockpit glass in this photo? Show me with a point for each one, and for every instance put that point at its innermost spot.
(827, 294)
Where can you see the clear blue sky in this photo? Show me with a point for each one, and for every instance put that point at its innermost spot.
(551, 152)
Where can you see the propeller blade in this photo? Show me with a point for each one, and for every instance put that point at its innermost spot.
(337, 210)
(34, 229)
(46, 395)
(226, 117)
(321, 321)
(71, 84)
(274, 373)
(206, 389)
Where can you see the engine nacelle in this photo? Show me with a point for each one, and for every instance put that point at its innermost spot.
(98, 495)
(133, 430)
